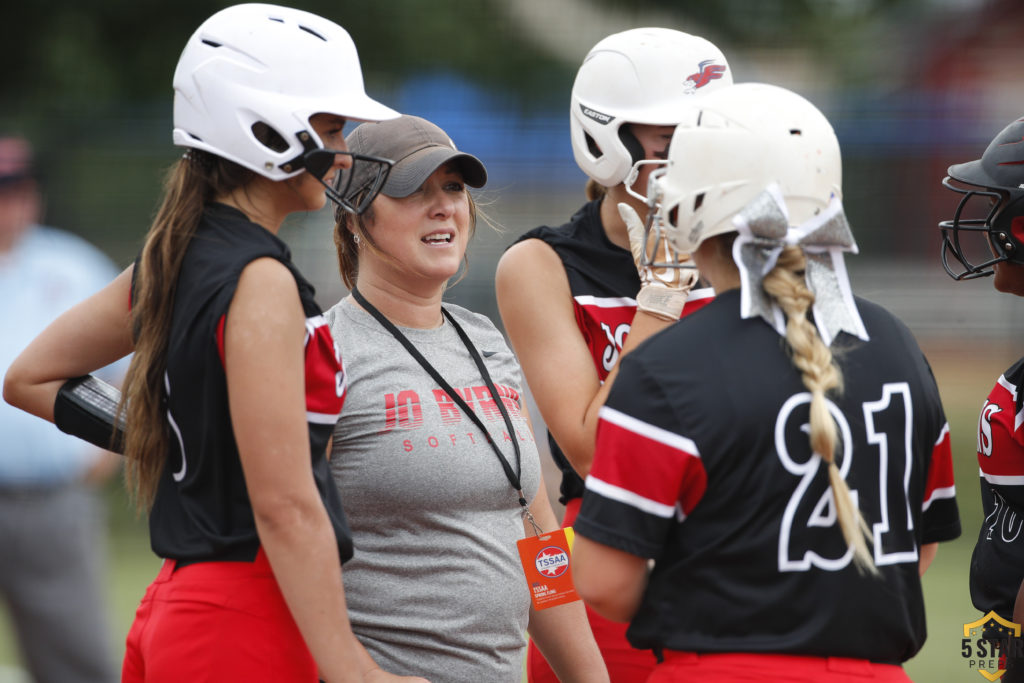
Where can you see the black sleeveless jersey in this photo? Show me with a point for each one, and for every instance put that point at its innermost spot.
(703, 464)
(604, 283)
(997, 566)
(202, 509)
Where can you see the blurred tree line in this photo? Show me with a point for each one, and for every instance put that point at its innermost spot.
(61, 55)
(89, 81)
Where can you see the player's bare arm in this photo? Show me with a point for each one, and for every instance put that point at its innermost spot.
(263, 343)
(611, 581)
(89, 336)
(537, 309)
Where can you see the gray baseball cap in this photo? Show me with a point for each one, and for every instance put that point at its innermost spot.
(416, 146)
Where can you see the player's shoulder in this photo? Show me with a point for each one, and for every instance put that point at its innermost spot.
(268, 279)
(526, 252)
(1015, 373)
(710, 324)
(886, 329)
(529, 266)
(877, 316)
(677, 349)
(1013, 379)
(578, 226)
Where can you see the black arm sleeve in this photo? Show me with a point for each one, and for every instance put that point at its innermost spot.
(86, 407)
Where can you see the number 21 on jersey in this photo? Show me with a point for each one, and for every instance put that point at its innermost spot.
(809, 525)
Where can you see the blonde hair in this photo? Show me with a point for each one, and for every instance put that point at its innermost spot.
(785, 283)
(191, 183)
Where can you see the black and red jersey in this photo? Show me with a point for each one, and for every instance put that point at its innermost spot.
(604, 283)
(202, 509)
(997, 566)
(703, 464)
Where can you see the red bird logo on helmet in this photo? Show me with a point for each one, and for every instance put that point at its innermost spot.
(709, 71)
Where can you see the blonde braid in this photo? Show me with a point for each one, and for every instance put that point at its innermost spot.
(785, 283)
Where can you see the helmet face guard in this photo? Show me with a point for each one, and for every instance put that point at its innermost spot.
(347, 197)
(317, 161)
(977, 244)
(969, 241)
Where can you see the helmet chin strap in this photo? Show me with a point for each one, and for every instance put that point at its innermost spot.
(300, 161)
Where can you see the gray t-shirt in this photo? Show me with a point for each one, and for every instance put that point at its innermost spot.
(436, 587)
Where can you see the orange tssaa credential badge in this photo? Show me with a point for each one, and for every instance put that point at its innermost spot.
(546, 560)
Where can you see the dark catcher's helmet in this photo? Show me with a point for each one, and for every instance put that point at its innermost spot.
(998, 177)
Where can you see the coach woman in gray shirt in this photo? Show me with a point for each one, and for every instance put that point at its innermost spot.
(436, 509)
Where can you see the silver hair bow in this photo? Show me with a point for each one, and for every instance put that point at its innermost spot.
(764, 231)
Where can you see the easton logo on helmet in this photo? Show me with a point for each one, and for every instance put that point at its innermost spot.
(709, 71)
(603, 119)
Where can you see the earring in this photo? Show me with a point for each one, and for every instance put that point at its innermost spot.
(355, 238)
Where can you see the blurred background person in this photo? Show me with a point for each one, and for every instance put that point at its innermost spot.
(986, 238)
(433, 454)
(575, 298)
(53, 527)
(782, 455)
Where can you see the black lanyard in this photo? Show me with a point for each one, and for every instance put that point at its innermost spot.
(513, 476)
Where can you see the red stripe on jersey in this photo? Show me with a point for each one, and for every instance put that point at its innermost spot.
(325, 376)
(940, 472)
(649, 462)
(1000, 437)
(698, 299)
(220, 338)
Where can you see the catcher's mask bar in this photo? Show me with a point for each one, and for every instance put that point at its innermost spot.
(86, 407)
(966, 240)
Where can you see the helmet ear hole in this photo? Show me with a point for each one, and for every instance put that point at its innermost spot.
(269, 137)
(673, 216)
(592, 147)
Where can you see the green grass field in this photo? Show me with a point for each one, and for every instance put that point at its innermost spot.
(964, 382)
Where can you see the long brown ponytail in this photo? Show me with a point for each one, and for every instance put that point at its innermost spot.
(191, 183)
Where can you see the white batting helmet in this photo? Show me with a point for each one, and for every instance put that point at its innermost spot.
(643, 75)
(256, 64)
(730, 146)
